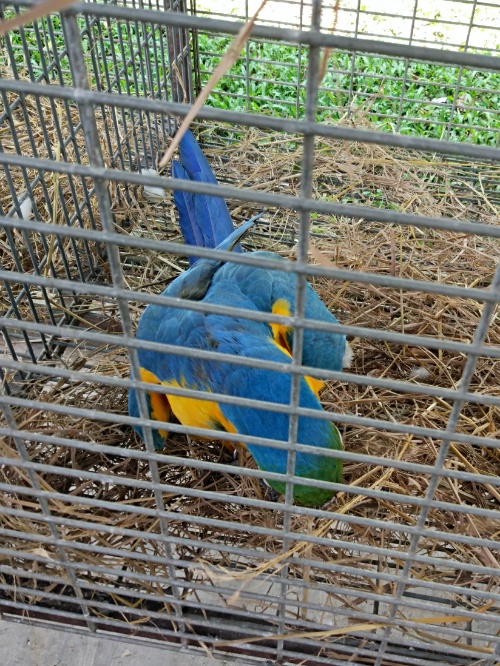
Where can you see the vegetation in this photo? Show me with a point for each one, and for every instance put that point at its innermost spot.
(394, 94)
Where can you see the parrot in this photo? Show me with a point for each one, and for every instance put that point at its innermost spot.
(205, 222)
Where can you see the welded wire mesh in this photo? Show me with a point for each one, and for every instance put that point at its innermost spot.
(184, 547)
(399, 93)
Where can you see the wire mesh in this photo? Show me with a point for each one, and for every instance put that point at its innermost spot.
(185, 547)
(400, 94)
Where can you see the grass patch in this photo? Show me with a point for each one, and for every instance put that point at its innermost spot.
(395, 94)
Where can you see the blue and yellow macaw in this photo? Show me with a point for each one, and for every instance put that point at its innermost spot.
(205, 221)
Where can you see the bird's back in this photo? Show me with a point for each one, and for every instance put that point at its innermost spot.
(274, 291)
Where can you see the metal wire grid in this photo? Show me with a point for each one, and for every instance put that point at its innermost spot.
(450, 23)
(290, 602)
(442, 103)
(111, 48)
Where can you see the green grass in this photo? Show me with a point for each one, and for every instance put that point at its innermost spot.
(277, 76)
(115, 52)
(275, 82)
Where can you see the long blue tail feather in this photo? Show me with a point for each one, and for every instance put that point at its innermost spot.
(194, 161)
(204, 220)
(184, 202)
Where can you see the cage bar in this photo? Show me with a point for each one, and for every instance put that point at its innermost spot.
(381, 187)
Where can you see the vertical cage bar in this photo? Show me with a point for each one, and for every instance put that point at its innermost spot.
(467, 374)
(455, 101)
(353, 55)
(44, 505)
(77, 64)
(307, 167)
(405, 73)
(299, 64)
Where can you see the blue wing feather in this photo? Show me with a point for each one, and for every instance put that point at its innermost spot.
(264, 287)
(213, 218)
(241, 337)
(194, 161)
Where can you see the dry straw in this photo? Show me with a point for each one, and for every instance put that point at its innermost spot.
(367, 174)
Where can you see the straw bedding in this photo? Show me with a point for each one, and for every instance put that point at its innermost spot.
(356, 173)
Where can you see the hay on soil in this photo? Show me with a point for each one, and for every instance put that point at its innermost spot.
(351, 173)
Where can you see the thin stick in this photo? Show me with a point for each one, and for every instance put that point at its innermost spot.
(225, 64)
(36, 12)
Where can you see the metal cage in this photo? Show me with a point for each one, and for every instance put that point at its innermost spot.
(387, 166)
